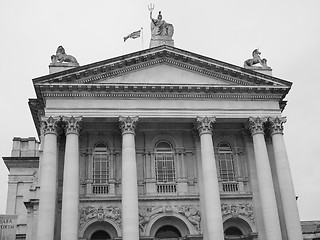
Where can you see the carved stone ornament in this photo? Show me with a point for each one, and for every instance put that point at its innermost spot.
(244, 209)
(191, 212)
(61, 56)
(50, 125)
(128, 124)
(35, 181)
(276, 124)
(256, 125)
(102, 213)
(255, 60)
(73, 124)
(204, 124)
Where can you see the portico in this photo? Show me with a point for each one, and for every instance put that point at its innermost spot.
(151, 145)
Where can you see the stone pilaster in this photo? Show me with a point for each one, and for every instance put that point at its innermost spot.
(48, 188)
(71, 180)
(265, 183)
(288, 198)
(210, 191)
(130, 212)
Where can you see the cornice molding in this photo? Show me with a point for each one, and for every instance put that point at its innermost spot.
(163, 54)
(21, 162)
(166, 95)
(118, 69)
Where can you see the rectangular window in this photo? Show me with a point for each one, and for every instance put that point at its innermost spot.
(100, 167)
(226, 165)
(165, 169)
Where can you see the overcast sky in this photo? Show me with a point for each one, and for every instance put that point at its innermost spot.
(287, 33)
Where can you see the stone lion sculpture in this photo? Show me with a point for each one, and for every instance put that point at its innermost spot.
(61, 56)
(255, 60)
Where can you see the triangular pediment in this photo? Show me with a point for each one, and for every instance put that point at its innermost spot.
(162, 65)
(164, 74)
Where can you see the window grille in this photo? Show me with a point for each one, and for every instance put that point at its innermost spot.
(100, 169)
(226, 163)
(165, 167)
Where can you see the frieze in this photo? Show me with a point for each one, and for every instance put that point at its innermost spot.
(102, 213)
(191, 212)
(243, 209)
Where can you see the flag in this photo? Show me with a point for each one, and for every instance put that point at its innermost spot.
(133, 35)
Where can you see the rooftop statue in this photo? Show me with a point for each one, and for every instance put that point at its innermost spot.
(255, 60)
(61, 56)
(161, 31)
(160, 27)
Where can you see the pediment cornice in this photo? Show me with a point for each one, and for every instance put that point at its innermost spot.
(93, 73)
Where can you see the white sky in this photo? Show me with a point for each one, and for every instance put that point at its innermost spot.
(287, 33)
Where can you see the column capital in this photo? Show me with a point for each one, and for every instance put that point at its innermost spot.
(128, 124)
(204, 124)
(73, 124)
(276, 124)
(256, 125)
(50, 125)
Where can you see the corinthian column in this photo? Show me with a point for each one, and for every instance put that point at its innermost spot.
(48, 176)
(130, 217)
(70, 196)
(210, 191)
(265, 183)
(288, 198)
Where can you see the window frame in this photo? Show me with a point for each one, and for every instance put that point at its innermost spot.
(165, 158)
(101, 164)
(226, 162)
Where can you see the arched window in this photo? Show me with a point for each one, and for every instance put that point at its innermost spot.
(165, 168)
(226, 162)
(100, 169)
(233, 231)
(168, 231)
(100, 235)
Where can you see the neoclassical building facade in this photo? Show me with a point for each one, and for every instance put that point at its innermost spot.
(158, 144)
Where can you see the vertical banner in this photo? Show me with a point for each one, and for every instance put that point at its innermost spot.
(8, 227)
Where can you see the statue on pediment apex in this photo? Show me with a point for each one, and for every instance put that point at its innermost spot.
(61, 57)
(255, 60)
(160, 27)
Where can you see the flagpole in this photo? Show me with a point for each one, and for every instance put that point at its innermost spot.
(142, 37)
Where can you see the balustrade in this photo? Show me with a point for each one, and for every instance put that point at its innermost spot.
(100, 189)
(167, 188)
(230, 187)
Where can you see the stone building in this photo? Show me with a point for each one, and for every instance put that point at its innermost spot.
(157, 144)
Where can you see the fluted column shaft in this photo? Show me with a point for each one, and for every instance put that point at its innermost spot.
(288, 198)
(70, 196)
(265, 183)
(130, 212)
(211, 193)
(48, 184)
